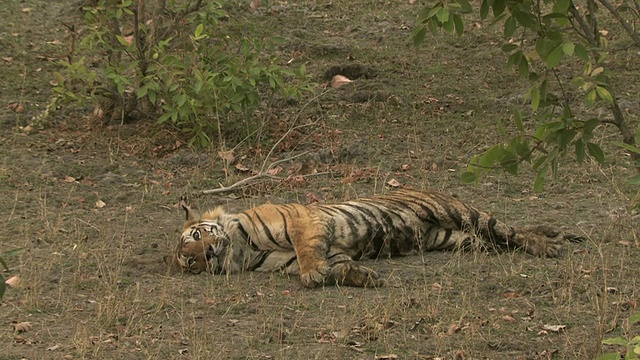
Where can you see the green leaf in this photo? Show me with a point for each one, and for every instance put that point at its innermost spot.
(433, 25)
(590, 98)
(579, 145)
(541, 160)
(635, 317)
(590, 125)
(638, 135)
(141, 92)
(498, 7)
(615, 341)
(457, 20)
(596, 152)
(604, 94)
(517, 117)
(443, 15)
(631, 148)
(199, 30)
(562, 6)
(535, 99)
(419, 35)
(509, 26)
(423, 15)
(568, 48)
(501, 130)
(449, 25)
(538, 185)
(525, 19)
(634, 180)
(508, 48)
(581, 52)
(164, 117)
(554, 57)
(465, 6)
(523, 67)
(468, 177)
(484, 9)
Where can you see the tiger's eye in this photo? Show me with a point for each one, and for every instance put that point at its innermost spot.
(196, 235)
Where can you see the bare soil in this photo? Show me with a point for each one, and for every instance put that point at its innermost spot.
(93, 208)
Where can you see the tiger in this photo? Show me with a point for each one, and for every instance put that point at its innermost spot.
(321, 243)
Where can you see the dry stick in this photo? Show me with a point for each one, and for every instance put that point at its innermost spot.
(264, 169)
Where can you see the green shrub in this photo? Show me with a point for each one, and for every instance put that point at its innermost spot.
(191, 64)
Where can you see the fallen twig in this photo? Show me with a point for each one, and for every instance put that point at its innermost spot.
(264, 168)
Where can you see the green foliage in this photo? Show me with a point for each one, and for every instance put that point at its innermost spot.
(538, 39)
(195, 67)
(632, 346)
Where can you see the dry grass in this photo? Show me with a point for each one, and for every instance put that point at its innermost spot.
(93, 284)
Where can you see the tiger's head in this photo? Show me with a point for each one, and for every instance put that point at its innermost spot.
(204, 244)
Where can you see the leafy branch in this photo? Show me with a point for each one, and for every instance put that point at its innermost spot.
(548, 34)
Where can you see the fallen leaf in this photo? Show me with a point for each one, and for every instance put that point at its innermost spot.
(509, 318)
(128, 209)
(393, 183)
(274, 171)
(510, 295)
(13, 281)
(626, 305)
(227, 156)
(386, 357)
(554, 328)
(406, 167)
(8, 59)
(27, 10)
(70, 179)
(242, 168)
(17, 108)
(54, 347)
(311, 198)
(21, 326)
(54, 42)
(339, 80)
(436, 287)
(100, 204)
(128, 39)
(255, 4)
(625, 243)
(210, 301)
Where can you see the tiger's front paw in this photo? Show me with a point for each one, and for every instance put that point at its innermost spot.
(542, 241)
(349, 274)
(313, 278)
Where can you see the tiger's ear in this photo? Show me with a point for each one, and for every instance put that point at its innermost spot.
(213, 214)
(191, 215)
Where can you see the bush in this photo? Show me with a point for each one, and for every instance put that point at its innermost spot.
(190, 64)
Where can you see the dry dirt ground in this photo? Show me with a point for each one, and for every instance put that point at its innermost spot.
(93, 209)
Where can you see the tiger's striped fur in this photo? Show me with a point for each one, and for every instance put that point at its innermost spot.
(321, 242)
